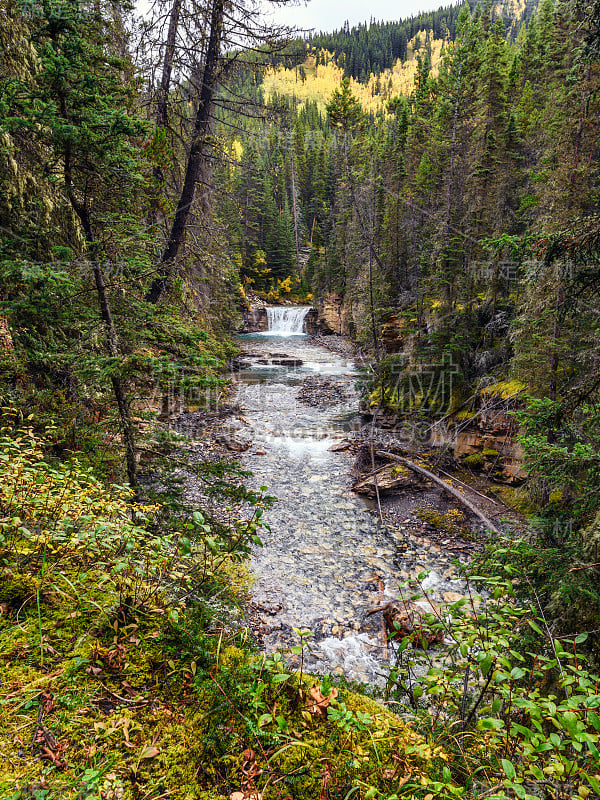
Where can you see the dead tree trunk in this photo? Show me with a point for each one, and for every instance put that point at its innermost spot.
(163, 97)
(197, 154)
(434, 478)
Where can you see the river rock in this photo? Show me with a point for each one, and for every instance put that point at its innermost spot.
(287, 362)
(338, 447)
(233, 444)
(453, 597)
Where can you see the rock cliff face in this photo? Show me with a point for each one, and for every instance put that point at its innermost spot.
(311, 322)
(255, 320)
(332, 316)
(497, 454)
(486, 441)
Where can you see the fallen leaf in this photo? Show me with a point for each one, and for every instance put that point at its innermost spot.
(319, 703)
(149, 752)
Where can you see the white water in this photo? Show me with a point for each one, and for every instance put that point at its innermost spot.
(286, 320)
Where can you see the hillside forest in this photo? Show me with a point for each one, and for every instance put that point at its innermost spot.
(435, 181)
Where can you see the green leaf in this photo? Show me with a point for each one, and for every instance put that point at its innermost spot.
(535, 627)
(485, 664)
(594, 719)
(570, 720)
(491, 724)
(280, 677)
(509, 769)
(536, 772)
(517, 673)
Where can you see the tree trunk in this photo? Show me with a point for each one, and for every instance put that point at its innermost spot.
(113, 349)
(196, 157)
(165, 82)
(163, 97)
(112, 341)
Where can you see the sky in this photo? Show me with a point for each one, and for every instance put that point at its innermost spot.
(329, 15)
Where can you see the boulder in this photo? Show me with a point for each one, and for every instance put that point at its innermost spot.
(235, 445)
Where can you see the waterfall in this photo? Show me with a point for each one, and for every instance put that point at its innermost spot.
(286, 320)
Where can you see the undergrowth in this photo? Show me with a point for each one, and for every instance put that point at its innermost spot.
(125, 674)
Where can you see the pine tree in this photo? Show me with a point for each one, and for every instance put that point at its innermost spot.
(80, 110)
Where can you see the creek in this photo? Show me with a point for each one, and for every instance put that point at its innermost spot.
(326, 559)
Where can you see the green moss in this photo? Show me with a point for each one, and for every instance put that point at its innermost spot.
(488, 452)
(516, 498)
(474, 461)
(16, 589)
(452, 521)
(504, 389)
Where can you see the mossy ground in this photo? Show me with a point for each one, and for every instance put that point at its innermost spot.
(453, 521)
(127, 703)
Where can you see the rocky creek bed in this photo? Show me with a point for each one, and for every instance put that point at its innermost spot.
(327, 558)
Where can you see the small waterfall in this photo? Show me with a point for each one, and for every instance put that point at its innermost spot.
(286, 320)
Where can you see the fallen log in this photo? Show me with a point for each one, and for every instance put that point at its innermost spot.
(388, 481)
(450, 489)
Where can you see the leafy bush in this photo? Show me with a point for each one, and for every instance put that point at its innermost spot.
(515, 705)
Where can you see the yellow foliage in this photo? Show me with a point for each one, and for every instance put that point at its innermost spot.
(322, 80)
(260, 262)
(237, 150)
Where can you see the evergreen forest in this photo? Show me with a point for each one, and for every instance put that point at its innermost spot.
(430, 188)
